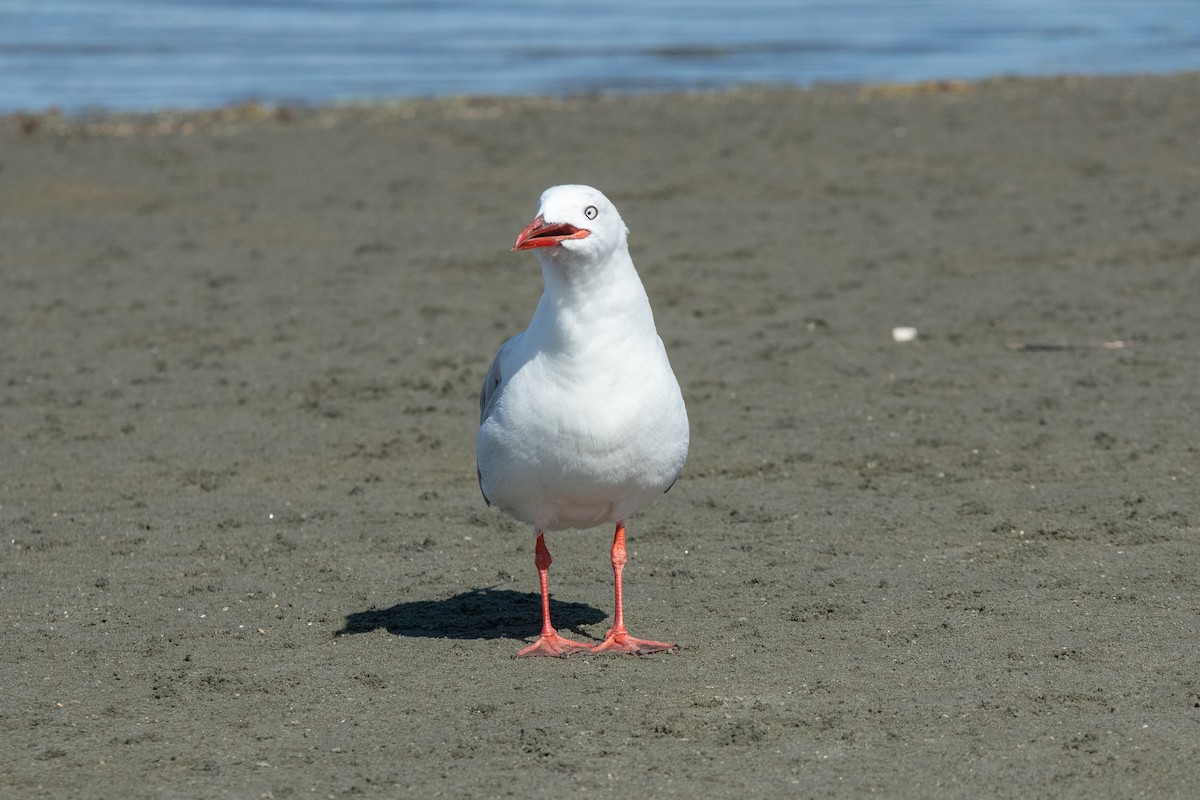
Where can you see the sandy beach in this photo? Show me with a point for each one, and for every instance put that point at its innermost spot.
(244, 550)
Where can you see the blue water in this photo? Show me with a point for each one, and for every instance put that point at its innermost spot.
(148, 54)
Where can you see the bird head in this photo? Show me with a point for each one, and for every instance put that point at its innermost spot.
(573, 223)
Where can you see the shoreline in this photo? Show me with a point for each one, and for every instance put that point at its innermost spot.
(102, 121)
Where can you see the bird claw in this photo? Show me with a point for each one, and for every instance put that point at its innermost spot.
(554, 646)
(624, 643)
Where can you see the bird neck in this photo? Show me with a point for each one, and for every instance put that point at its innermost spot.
(587, 305)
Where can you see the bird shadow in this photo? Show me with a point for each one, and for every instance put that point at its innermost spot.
(485, 613)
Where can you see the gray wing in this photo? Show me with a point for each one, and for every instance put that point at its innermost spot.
(491, 382)
(488, 395)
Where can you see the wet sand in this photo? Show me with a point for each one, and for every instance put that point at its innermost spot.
(244, 553)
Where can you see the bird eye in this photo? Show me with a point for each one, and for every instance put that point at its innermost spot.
(590, 212)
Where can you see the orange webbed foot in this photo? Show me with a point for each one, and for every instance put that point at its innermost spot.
(551, 644)
(622, 642)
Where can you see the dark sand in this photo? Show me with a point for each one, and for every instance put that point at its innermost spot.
(244, 553)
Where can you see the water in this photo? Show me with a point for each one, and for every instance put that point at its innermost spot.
(148, 54)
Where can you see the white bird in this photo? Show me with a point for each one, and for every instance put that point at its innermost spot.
(581, 418)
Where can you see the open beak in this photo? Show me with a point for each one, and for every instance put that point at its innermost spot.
(540, 233)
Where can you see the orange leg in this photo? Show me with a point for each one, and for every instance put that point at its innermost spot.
(618, 640)
(549, 643)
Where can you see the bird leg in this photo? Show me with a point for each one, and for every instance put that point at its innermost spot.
(549, 643)
(617, 639)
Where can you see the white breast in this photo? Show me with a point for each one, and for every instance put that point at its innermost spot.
(574, 442)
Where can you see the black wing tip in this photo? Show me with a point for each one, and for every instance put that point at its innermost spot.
(485, 497)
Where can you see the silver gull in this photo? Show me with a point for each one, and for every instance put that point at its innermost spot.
(582, 421)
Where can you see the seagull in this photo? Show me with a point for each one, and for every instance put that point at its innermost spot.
(581, 420)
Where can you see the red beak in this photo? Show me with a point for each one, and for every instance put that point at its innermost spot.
(539, 233)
